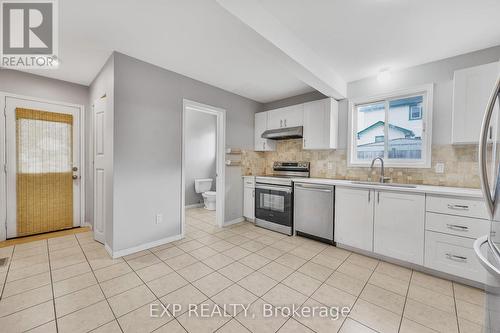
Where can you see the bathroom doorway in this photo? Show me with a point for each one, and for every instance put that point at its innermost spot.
(203, 176)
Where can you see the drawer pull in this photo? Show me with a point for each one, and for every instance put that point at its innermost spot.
(457, 227)
(456, 258)
(458, 207)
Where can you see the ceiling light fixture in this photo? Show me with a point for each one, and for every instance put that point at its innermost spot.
(384, 76)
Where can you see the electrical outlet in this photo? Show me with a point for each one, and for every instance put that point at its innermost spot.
(159, 218)
(439, 168)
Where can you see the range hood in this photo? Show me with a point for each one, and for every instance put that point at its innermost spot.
(283, 133)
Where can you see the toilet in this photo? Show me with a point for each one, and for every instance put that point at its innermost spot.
(204, 186)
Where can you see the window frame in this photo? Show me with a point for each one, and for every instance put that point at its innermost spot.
(427, 106)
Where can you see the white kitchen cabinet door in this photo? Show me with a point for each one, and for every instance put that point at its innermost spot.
(471, 90)
(294, 116)
(320, 124)
(454, 255)
(399, 225)
(261, 144)
(249, 203)
(290, 116)
(354, 217)
(275, 118)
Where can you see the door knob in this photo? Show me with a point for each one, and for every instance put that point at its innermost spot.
(74, 169)
(75, 177)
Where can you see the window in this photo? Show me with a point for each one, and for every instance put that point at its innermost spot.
(415, 112)
(392, 126)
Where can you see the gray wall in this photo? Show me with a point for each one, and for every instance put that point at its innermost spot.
(31, 85)
(299, 99)
(200, 151)
(147, 148)
(440, 73)
(103, 85)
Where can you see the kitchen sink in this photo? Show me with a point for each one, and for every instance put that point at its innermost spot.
(384, 184)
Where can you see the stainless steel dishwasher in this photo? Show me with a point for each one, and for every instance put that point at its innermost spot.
(313, 211)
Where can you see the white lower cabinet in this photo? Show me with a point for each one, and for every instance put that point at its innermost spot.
(249, 198)
(354, 217)
(434, 231)
(453, 255)
(399, 226)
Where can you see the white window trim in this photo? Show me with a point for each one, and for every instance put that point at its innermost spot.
(425, 162)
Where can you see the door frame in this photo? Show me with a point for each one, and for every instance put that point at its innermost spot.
(220, 183)
(3, 156)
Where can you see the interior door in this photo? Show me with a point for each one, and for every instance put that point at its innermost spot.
(43, 166)
(99, 168)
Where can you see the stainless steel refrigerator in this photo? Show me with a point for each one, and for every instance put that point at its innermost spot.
(487, 247)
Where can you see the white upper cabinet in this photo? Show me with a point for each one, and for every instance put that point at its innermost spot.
(471, 90)
(261, 144)
(290, 116)
(321, 124)
(399, 225)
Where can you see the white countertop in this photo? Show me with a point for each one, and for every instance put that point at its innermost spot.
(429, 189)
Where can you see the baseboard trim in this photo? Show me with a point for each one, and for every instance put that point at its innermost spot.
(130, 250)
(108, 249)
(199, 205)
(237, 220)
(87, 224)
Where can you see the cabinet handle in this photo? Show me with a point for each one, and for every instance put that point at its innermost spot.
(253, 194)
(369, 195)
(458, 207)
(455, 257)
(304, 143)
(285, 122)
(457, 227)
(281, 123)
(378, 197)
(264, 145)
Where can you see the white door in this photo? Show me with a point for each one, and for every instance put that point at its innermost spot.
(43, 166)
(471, 92)
(354, 217)
(99, 168)
(316, 121)
(261, 144)
(275, 118)
(399, 225)
(249, 202)
(294, 116)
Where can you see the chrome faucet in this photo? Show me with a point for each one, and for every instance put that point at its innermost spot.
(382, 178)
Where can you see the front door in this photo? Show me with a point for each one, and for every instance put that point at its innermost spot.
(43, 166)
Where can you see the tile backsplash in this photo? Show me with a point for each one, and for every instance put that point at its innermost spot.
(460, 165)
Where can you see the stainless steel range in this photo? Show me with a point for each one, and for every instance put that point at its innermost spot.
(274, 196)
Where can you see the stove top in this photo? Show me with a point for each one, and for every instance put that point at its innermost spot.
(283, 172)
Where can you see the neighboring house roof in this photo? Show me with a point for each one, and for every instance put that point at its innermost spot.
(408, 142)
(408, 133)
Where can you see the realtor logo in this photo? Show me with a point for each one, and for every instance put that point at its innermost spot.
(29, 34)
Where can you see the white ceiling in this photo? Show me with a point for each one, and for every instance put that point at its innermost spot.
(199, 39)
(196, 38)
(358, 38)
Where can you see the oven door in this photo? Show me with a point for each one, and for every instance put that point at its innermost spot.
(274, 204)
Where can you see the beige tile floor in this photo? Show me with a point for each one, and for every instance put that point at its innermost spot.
(69, 284)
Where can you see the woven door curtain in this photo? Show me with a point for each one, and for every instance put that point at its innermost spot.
(44, 184)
